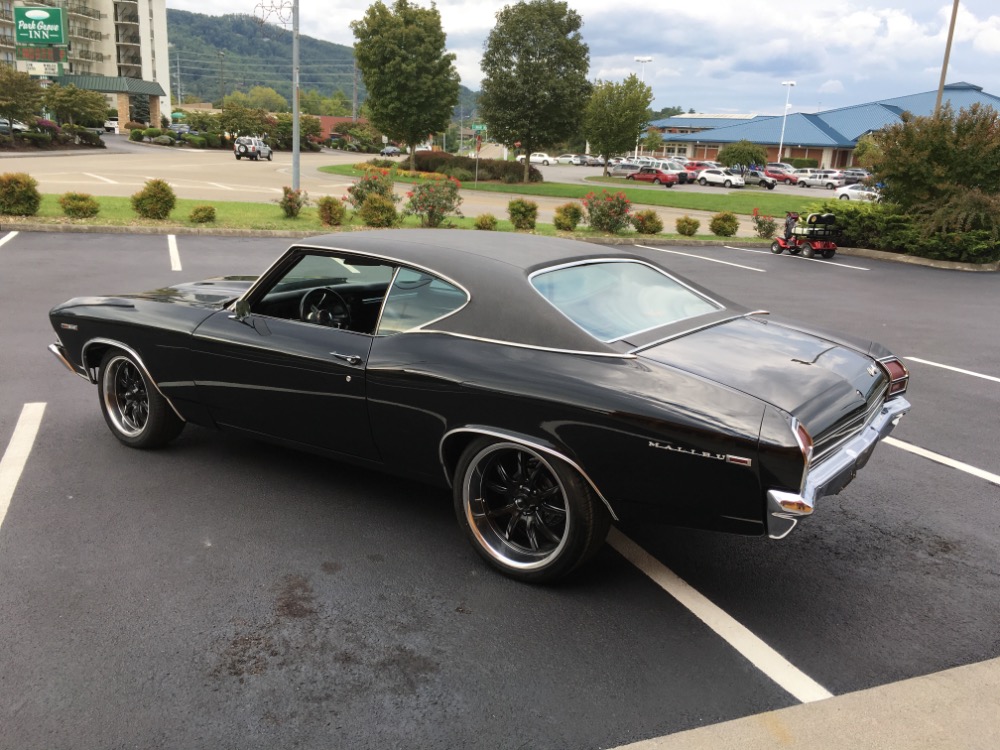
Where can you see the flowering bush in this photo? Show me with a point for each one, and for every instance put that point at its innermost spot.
(376, 182)
(432, 202)
(608, 212)
(764, 225)
(292, 201)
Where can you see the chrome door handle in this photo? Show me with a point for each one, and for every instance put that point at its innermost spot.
(351, 359)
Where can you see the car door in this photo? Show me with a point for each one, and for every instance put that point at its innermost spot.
(266, 371)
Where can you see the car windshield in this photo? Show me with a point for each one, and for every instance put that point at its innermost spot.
(612, 300)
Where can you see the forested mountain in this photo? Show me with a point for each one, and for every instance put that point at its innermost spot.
(218, 55)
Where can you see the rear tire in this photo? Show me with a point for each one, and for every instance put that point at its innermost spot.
(776, 247)
(727, 183)
(807, 252)
(703, 182)
(133, 408)
(528, 514)
(829, 253)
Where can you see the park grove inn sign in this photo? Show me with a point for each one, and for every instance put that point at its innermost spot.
(39, 26)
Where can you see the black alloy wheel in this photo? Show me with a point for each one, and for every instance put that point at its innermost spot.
(133, 408)
(529, 515)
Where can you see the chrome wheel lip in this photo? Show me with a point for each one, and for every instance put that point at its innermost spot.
(126, 398)
(488, 535)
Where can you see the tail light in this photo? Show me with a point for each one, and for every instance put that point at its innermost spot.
(899, 376)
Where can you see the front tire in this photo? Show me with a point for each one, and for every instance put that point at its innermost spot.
(703, 182)
(135, 411)
(776, 247)
(529, 515)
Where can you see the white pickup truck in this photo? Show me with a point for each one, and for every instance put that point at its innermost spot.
(111, 125)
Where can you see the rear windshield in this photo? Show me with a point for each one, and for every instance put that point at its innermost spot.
(613, 300)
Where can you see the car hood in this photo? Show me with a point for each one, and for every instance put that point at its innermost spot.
(817, 380)
(208, 293)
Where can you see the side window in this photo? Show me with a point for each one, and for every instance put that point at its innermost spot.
(416, 299)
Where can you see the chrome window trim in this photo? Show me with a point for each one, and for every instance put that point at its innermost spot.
(515, 438)
(685, 332)
(535, 347)
(636, 261)
(138, 360)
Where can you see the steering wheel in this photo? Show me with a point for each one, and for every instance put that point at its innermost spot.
(325, 307)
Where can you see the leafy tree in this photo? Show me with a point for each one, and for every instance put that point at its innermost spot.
(281, 131)
(742, 152)
(943, 168)
(652, 141)
(237, 99)
(666, 112)
(73, 105)
(411, 80)
(20, 95)
(615, 115)
(263, 97)
(310, 102)
(535, 67)
(867, 151)
(244, 121)
(337, 104)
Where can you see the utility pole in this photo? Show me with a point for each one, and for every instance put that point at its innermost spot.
(354, 102)
(947, 54)
(222, 76)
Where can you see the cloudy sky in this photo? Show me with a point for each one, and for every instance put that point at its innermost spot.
(722, 56)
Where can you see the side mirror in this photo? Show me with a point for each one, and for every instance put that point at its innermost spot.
(242, 309)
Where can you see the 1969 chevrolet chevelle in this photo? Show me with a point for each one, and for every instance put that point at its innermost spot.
(555, 386)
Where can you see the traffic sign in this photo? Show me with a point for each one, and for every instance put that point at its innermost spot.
(479, 127)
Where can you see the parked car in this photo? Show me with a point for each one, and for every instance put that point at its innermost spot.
(856, 175)
(111, 125)
(566, 158)
(828, 178)
(757, 177)
(675, 168)
(6, 128)
(789, 178)
(806, 172)
(780, 165)
(624, 168)
(655, 175)
(594, 161)
(858, 192)
(538, 157)
(180, 128)
(553, 386)
(248, 147)
(723, 177)
(390, 151)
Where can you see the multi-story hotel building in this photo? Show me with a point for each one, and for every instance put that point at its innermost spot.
(117, 47)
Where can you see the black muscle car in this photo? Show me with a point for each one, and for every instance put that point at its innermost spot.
(555, 386)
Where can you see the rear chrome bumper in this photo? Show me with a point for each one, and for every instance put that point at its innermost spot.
(60, 353)
(784, 509)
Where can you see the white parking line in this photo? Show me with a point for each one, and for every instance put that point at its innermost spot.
(790, 255)
(8, 238)
(175, 257)
(954, 369)
(102, 179)
(219, 185)
(702, 257)
(950, 462)
(758, 653)
(16, 455)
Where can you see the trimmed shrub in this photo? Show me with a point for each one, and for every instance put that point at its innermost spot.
(194, 141)
(724, 224)
(155, 201)
(331, 211)
(687, 226)
(568, 216)
(19, 194)
(433, 201)
(202, 215)
(608, 212)
(647, 222)
(378, 211)
(292, 201)
(490, 170)
(79, 205)
(373, 183)
(212, 140)
(164, 140)
(36, 139)
(136, 135)
(134, 125)
(523, 214)
(152, 133)
(486, 222)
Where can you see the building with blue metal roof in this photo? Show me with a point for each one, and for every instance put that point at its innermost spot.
(828, 137)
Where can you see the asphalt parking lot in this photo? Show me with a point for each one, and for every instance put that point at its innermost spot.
(227, 593)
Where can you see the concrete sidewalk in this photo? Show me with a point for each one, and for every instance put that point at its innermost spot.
(958, 709)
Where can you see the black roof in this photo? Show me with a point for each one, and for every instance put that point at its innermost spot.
(494, 268)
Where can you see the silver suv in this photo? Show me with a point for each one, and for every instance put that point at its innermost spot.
(251, 148)
(828, 178)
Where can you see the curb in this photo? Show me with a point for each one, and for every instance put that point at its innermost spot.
(945, 265)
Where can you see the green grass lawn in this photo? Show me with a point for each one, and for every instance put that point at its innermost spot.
(742, 201)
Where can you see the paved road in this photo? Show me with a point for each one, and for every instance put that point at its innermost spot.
(224, 593)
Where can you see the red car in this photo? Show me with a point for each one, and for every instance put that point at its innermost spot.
(655, 175)
(781, 176)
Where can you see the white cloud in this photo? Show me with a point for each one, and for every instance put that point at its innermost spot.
(831, 87)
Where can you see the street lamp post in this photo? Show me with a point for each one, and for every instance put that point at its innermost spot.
(642, 60)
(784, 116)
